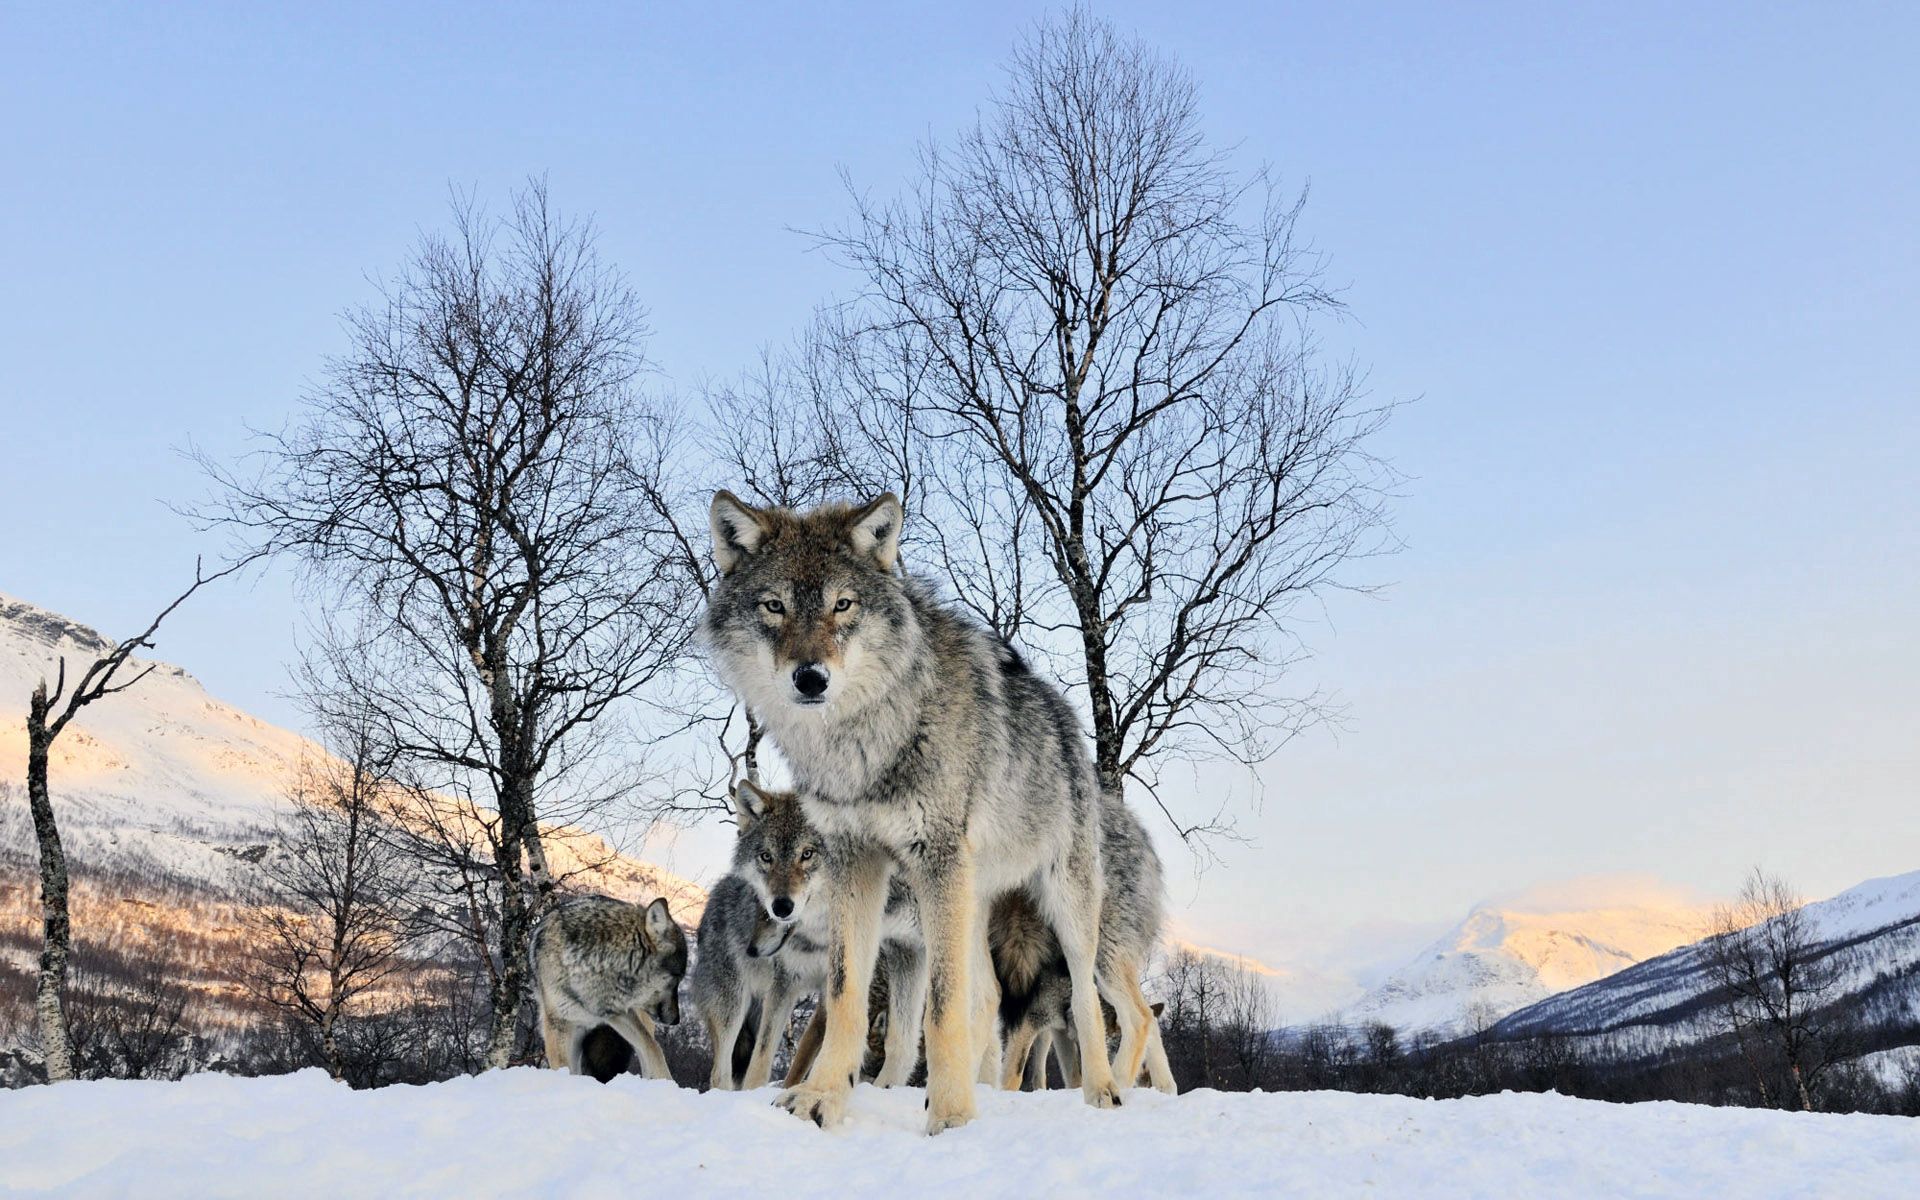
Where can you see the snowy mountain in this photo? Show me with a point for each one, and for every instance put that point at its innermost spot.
(167, 799)
(1507, 955)
(1871, 933)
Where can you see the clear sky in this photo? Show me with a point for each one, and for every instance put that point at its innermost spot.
(1651, 277)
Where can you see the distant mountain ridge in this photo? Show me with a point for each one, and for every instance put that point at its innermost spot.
(1870, 932)
(1503, 957)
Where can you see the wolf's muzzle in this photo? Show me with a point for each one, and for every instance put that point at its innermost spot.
(810, 680)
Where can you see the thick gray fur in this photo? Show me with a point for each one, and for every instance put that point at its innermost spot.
(601, 961)
(934, 751)
(1035, 989)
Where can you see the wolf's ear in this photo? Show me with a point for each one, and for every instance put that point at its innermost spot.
(1159, 1006)
(875, 530)
(659, 921)
(749, 802)
(737, 527)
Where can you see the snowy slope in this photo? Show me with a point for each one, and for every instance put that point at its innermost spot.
(174, 792)
(301, 1135)
(1872, 932)
(1505, 956)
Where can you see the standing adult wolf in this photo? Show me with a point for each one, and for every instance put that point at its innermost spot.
(919, 741)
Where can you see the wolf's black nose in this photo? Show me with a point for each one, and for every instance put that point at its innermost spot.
(782, 907)
(810, 679)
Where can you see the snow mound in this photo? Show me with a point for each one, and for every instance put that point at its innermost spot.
(541, 1133)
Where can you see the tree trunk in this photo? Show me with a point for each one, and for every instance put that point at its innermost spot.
(1800, 1085)
(330, 1042)
(514, 928)
(57, 931)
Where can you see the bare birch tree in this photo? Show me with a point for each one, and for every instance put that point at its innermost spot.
(49, 711)
(1104, 334)
(1776, 980)
(472, 482)
(329, 920)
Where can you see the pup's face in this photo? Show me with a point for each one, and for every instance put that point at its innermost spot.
(778, 852)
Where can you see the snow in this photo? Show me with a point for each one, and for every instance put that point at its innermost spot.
(527, 1132)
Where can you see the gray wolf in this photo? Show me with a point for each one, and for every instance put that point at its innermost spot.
(763, 945)
(1035, 988)
(920, 744)
(601, 961)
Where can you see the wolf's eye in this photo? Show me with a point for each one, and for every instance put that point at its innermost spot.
(773, 606)
(843, 604)
(807, 854)
(766, 857)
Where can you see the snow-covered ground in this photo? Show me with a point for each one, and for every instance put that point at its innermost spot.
(538, 1133)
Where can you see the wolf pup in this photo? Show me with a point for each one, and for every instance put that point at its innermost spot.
(1035, 991)
(763, 945)
(601, 961)
(922, 742)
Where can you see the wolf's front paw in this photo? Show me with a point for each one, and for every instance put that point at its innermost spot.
(1104, 1096)
(825, 1107)
(949, 1112)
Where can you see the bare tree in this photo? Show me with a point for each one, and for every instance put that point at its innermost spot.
(49, 711)
(1104, 333)
(474, 483)
(1249, 1024)
(330, 914)
(1776, 980)
(129, 1021)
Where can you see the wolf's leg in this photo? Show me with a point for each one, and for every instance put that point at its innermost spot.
(723, 1029)
(1066, 1048)
(1021, 1042)
(1121, 986)
(947, 907)
(1073, 908)
(637, 1028)
(808, 1047)
(1034, 1078)
(557, 1039)
(986, 1002)
(1158, 1069)
(906, 1008)
(858, 892)
(775, 1008)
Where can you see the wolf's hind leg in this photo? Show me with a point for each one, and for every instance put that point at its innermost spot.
(986, 1003)
(637, 1028)
(1073, 908)
(1022, 1043)
(558, 1040)
(1121, 986)
(906, 1008)
(1158, 1069)
(808, 1047)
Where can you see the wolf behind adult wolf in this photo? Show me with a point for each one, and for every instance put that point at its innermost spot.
(601, 961)
(1035, 990)
(763, 945)
(919, 742)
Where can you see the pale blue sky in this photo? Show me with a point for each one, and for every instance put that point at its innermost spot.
(1653, 276)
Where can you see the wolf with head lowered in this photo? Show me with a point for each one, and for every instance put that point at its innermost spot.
(920, 744)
